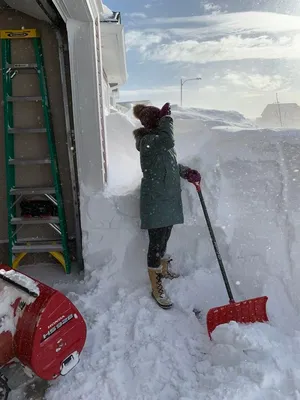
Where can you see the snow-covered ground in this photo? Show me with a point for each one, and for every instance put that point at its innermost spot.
(137, 351)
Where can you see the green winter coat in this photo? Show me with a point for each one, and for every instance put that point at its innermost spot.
(160, 201)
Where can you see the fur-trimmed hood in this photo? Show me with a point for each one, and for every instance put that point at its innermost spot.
(139, 134)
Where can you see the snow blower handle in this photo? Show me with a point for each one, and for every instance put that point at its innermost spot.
(214, 242)
(21, 287)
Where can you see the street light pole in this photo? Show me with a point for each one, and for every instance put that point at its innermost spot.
(182, 82)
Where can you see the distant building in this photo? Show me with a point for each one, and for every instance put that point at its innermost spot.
(278, 115)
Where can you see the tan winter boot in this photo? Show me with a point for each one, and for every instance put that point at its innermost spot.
(167, 273)
(158, 292)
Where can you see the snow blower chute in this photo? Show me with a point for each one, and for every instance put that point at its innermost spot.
(247, 311)
(39, 327)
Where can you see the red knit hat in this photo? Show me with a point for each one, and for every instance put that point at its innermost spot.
(148, 115)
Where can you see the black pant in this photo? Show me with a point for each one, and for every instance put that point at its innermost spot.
(158, 240)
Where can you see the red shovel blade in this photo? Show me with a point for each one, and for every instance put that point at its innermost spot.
(245, 312)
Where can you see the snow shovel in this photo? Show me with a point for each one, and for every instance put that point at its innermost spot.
(247, 311)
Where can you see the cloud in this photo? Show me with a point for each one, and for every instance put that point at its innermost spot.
(212, 8)
(191, 42)
(226, 49)
(147, 5)
(224, 37)
(216, 26)
(141, 40)
(257, 82)
(136, 15)
(240, 22)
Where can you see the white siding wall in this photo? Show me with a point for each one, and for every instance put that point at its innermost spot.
(106, 94)
(102, 93)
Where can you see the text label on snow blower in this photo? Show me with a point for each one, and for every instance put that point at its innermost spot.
(57, 326)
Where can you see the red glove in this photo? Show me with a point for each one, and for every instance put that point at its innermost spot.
(193, 176)
(165, 110)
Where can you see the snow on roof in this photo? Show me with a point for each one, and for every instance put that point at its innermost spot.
(106, 11)
(289, 105)
(109, 16)
(130, 104)
(284, 107)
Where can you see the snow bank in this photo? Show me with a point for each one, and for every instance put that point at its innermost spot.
(257, 208)
(136, 350)
(213, 118)
(124, 168)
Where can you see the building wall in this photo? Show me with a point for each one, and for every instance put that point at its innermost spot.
(30, 115)
(106, 95)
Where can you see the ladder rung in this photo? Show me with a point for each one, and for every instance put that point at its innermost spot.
(36, 240)
(32, 190)
(27, 130)
(19, 34)
(24, 98)
(37, 248)
(34, 220)
(24, 161)
(21, 66)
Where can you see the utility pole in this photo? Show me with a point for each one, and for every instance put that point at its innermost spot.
(279, 110)
(182, 82)
(181, 85)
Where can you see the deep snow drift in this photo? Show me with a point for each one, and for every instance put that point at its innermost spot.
(136, 350)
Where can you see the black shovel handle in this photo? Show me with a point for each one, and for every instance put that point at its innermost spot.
(18, 285)
(214, 242)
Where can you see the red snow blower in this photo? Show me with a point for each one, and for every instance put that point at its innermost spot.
(247, 311)
(45, 332)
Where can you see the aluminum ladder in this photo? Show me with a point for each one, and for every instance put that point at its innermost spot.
(18, 248)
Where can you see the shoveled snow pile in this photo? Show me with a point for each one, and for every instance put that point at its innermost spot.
(137, 351)
(214, 118)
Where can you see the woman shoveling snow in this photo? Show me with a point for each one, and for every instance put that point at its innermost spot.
(160, 204)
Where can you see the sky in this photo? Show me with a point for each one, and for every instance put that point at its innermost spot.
(245, 52)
